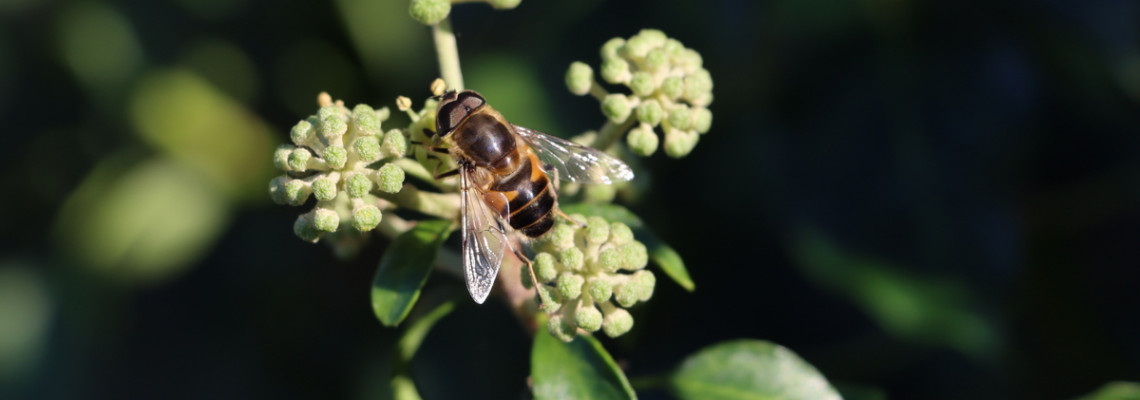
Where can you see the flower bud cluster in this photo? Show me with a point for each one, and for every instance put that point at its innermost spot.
(669, 89)
(589, 275)
(430, 12)
(339, 157)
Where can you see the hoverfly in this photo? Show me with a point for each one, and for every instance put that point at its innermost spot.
(503, 180)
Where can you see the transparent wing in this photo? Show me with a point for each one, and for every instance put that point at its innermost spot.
(575, 162)
(483, 240)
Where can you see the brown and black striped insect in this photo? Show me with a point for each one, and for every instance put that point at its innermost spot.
(503, 180)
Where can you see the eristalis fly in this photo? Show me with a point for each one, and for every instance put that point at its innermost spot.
(503, 180)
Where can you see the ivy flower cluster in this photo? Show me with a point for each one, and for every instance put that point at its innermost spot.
(341, 158)
(589, 275)
(430, 12)
(669, 89)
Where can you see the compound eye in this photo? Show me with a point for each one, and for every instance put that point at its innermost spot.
(449, 117)
(452, 112)
(470, 100)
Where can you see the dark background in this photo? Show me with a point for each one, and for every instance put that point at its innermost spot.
(933, 200)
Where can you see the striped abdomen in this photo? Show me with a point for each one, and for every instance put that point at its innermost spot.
(531, 197)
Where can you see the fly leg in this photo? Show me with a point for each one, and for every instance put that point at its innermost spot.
(533, 278)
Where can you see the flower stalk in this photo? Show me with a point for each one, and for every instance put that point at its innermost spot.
(447, 50)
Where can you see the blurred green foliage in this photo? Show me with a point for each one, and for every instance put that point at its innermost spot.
(928, 200)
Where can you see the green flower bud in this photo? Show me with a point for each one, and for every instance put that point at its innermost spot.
(570, 285)
(611, 47)
(673, 48)
(544, 268)
(329, 111)
(598, 194)
(673, 87)
(364, 120)
(589, 319)
(702, 119)
(644, 281)
(616, 107)
(324, 188)
(599, 290)
(655, 60)
(579, 78)
(365, 218)
(620, 233)
(296, 192)
(277, 189)
(634, 255)
(281, 156)
(301, 133)
(333, 127)
(678, 117)
(679, 143)
(336, 156)
(558, 328)
(641, 82)
(572, 258)
(361, 109)
(430, 12)
(615, 70)
(636, 47)
(689, 60)
(394, 145)
(641, 140)
(325, 220)
(650, 112)
(390, 178)
(504, 4)
(299, 159)
(357, 185)
(610, 260)
(597, 231)
(303, 228)
(626, 294)
(617, 322)
(551, 300)
(367, 148)
(562, 236)
(697, 85)
(653, 37)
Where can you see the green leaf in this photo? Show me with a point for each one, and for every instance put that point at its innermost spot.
(1115, 391)
(581, 369)
(403, 388)
(404, 268)
(401, 385)
(142, 221)
(661, 254)
(416, 333)
(933, 310)
(749, 369)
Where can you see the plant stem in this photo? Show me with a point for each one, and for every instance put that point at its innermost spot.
(611, 132)
(447, 51)
(598, 91)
